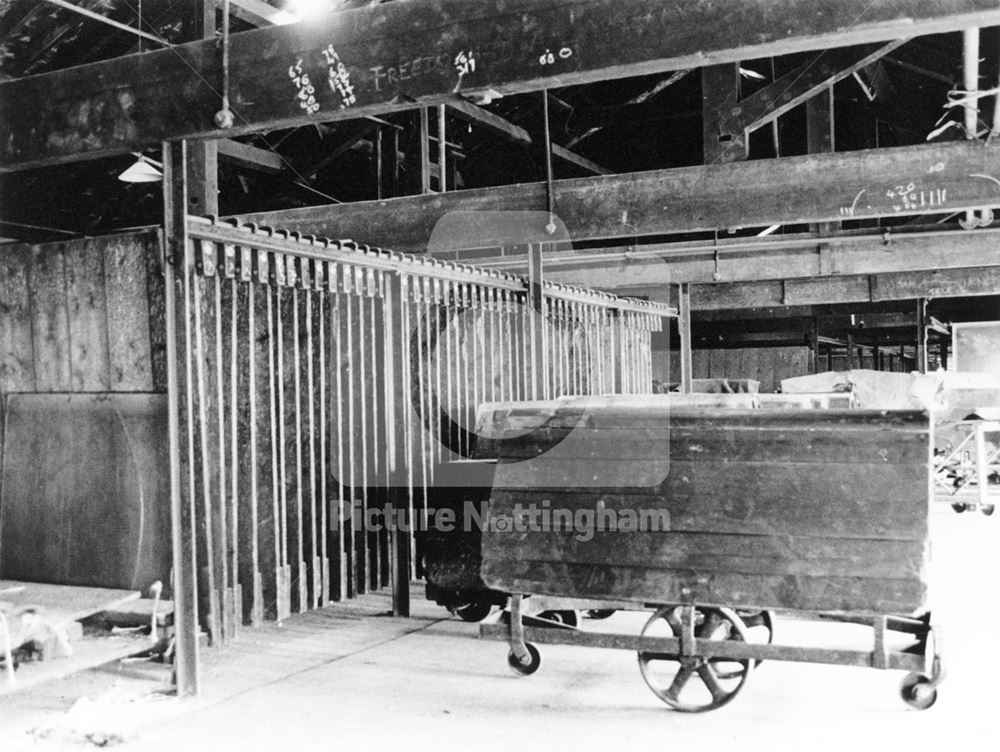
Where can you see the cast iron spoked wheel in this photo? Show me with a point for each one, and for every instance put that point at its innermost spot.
(525, 669)
(759, 627)
(600, 613)
(917, 692)
(568, 618)
(695, 684)
(476, 611)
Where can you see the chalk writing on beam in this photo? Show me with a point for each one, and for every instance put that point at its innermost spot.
(903, 197)
(305, 91)
(465, 63)
(338, 77)
(549, 57)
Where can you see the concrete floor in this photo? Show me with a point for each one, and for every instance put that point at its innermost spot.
(348, 675)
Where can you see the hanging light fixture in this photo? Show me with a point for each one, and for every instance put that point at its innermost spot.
(143, 170)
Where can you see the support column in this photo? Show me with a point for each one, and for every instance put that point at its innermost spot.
(536, 313)
(182, 514)
(922, 335)
(203, 156)
(814, 344)
(723, 138)
(684, 332)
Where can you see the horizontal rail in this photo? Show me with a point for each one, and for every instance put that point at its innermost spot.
(348, 251)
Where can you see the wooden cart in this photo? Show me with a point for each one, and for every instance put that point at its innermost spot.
(823, 514)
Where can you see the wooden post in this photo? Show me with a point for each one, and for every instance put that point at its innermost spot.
(820, 137)
(876, 358)
(814, 344)
(203, 156)
(684, 332)
(723, 137)
(943, 353)
(850, 351)
(922, 335)
(185, 584)
(442, 149)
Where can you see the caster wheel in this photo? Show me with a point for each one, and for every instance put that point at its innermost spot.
(566, 618)
(695, 684)
(987, 509)
(525, 669)
(600, 613)
(916, 693)
(959, 508)
(474, 611)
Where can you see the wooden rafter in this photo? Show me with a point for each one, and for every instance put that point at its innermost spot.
(394, 57)
(518, 135)
(950, 176)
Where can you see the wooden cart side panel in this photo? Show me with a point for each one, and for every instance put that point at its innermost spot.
(772, 510)
(648, 585)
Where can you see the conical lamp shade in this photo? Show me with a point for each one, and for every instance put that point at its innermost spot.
(141, 172)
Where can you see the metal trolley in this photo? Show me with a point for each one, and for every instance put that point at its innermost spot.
(815, 515)
(698, 658)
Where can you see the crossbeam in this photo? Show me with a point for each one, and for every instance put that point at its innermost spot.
(422, 52)
(810, 263)
(945, 177)
(946, 283)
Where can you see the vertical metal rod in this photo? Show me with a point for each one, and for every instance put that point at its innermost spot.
(419, 426)
(315, 474)
(257, 615)
(353, 559)
(429, 416)
(203, 462)
(223, 502)
(363, 408)
(438, 302)
(300, 561)
(322, 299)
(337, 330)
(234, 452)
(273, 327)
(407, 406)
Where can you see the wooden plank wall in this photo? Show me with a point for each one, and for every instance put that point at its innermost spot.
(769, 365)
(82, 316)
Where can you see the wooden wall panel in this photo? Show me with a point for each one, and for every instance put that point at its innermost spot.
(85, 490)
(128, 317)
(80, 316)
(87, 309)
(50, 319)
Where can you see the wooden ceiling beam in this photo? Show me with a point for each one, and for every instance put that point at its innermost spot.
(934, 283)
(799, 263)
(258, 13)
(516, 134)
(948, 176)
(249, 156)
(398, 55)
